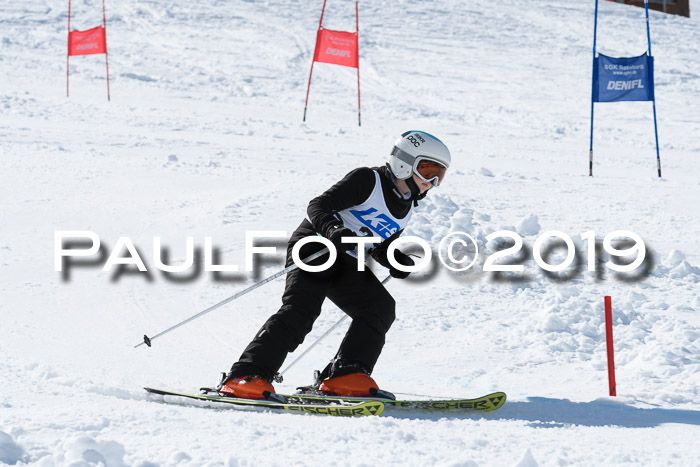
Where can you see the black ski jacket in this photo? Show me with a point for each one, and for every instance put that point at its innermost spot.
(351, 191)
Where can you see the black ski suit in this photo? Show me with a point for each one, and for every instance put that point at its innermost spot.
(357, 293)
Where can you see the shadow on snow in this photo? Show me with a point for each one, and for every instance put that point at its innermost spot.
(543, 412)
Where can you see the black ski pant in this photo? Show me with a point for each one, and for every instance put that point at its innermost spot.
(357, 293)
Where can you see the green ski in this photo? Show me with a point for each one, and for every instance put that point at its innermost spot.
(485, 403)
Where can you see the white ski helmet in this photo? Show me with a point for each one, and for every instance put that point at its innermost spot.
(412, 148)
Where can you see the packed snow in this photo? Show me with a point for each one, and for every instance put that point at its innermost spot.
(203, 137)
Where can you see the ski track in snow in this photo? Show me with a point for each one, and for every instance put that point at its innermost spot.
(203, 138)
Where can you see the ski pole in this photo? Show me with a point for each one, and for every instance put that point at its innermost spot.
(147, 340)
(342, 318)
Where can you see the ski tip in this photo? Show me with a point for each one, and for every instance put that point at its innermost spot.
(496, 401)
(372, 408)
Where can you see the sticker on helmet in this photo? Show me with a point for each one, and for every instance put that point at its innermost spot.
(416, 139)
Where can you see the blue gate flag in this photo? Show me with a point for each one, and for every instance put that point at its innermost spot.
(623, 79)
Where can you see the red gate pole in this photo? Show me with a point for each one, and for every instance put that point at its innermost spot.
(323, 9)
(68, 54)
(320, 25)
(104, 25)
(307, 90)
(357, 33)
(609, 345)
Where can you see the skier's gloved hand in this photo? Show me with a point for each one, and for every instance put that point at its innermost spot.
(380, 253)
(404, 260)
(335, 235)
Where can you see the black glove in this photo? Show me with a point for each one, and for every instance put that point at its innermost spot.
(380, 253)
(336, 233)
(404, 260)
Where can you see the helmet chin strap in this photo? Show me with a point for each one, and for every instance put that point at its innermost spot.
(416, 195)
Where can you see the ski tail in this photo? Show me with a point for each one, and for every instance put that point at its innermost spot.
(360, 408)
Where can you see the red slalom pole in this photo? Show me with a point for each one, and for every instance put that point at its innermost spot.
(609, 344)
(357, 33)
(104, 25)
(68, 55)
(320, 26)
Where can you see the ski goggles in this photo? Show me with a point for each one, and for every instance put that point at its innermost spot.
(429, 170)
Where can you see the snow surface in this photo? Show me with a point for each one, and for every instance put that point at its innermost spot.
(203, 138)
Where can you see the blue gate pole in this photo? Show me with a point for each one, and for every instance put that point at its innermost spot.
(653, 101)
(590, 150)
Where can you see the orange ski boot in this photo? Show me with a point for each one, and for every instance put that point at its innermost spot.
(247, 387)
(358, 384)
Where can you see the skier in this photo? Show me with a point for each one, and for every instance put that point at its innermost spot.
(368, 202)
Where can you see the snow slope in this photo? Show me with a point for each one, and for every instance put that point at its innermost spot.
(203, 137)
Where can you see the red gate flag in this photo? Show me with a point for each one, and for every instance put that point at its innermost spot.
(92, 41)
(89, 42)
(337, 47)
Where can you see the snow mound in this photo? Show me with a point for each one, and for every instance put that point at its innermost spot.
(676, 266)
(86, 451)
(10, 452)
(674, 258)
(527, 460)
(529, 226)
(685, 270)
